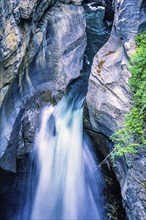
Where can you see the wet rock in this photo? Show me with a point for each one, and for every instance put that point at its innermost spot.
(52, 56)
(20, 21)
(109, 98)
(109, 80)
(25, 8)
(16, 30)
(132, 177)
(97, 31)
(109, 75)
(142, 16)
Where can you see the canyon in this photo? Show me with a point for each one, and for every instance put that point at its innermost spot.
(45, 47)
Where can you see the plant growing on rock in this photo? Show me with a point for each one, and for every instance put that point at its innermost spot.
(133, 133)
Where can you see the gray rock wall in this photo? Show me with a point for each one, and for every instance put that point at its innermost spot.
(42, 50)
(18, 22)
(131, 174)
(109, 75)
(109, 98)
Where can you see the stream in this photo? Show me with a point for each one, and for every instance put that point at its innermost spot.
(66, 183)
(61, 179)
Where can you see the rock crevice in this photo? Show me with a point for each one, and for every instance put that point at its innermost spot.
(49, 55)
(109, 98)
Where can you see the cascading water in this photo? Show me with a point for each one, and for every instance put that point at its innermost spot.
(66, 183)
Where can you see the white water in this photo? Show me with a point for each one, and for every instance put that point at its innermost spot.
(68, 186)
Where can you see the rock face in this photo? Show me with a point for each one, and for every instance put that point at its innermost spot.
(97, 32)
(24, 31)
(108, 80)
(41, 51)
(110, 74)
(42, 45)
(109, 98)
(132, 177)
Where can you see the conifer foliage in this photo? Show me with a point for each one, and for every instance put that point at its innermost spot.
(133, 134)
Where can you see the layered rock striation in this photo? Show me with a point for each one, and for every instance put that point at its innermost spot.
(42, 44)
(42, 48)
(110, 74)
(109, 98)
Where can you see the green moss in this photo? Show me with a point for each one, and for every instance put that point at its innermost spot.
(132, 135)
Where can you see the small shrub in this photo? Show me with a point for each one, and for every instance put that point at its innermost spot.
(132, 135)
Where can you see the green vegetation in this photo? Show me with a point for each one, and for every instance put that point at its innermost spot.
(133, 133)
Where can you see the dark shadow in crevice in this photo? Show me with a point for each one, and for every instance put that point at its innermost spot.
(112, 193)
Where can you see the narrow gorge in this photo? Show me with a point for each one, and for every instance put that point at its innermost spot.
(64, 91)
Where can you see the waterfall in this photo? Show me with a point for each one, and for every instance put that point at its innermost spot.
(66, 184)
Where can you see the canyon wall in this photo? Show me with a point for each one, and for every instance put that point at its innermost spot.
(109, 98)
(42, 45)
(42, 48)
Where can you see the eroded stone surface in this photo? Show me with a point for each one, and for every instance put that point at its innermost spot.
(52, 49)
(109, 75)
(109, 81)
(109, 98)
(18, 23)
